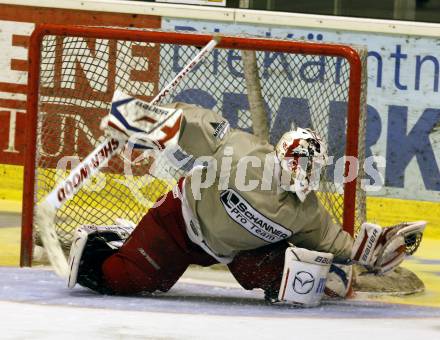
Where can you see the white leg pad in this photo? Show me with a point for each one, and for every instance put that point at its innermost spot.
(339, 281)
(304, 276)
(121, 232)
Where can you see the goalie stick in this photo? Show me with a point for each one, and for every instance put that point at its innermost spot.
(87, 169)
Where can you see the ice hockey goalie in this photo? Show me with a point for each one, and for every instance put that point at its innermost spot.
(245, 203)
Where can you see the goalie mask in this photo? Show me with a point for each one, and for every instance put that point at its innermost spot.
(303, 154)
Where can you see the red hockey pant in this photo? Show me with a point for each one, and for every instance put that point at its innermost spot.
(159, 251)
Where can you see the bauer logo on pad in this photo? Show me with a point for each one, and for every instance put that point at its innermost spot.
(252, 220)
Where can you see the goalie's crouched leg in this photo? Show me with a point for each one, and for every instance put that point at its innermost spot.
(260, 268)
(151, 259)
(154, 256)
(279, 268)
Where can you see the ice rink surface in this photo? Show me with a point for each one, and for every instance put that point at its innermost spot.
(34, 303)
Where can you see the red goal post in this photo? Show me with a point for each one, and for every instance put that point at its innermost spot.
(73, 72)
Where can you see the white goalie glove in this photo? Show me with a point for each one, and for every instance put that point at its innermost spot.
(383, 249)
(144, 125)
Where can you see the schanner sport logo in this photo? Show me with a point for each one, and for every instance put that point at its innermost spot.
(252, 220)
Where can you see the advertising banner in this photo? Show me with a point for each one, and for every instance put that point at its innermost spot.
(16, 26)
(403, 123)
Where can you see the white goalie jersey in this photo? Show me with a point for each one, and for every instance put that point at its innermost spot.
(235, 201)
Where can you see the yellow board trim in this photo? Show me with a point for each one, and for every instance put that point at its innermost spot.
(389, 211)
(10, 246)
(11, 186)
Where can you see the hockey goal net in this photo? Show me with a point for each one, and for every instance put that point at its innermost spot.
(75, 70)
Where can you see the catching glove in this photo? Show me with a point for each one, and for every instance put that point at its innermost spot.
(383, 249)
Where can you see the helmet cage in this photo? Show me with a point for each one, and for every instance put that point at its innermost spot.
(303, 154)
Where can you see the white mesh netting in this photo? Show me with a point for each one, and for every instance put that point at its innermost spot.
(79, 75)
